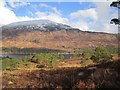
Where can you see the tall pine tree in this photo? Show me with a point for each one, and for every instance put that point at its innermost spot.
(116, 4)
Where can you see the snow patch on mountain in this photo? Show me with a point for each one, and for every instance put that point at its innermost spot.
(43, 25)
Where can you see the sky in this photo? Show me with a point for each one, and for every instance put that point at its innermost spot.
(87, 16)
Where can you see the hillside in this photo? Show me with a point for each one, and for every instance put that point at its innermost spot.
(51, 35)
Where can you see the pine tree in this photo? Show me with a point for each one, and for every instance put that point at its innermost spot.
(116, 4)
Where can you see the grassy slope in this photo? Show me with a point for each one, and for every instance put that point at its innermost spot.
(61, 40)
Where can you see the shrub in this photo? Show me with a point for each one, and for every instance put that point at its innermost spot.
(50, 60)
(40, 66)
(11, 68)
(101, 54)
(10, 63)
(34, 60)
(49, 63)
(27, 58)
(86, 56)
(76, 55)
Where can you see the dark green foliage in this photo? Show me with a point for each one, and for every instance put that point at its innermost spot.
(82, 50)
(111, 49)
(76, 55)
(49, 63)
(30, 50)
(10, 63)
(14, 63)
(27, 58)
(101, 54)
(49, 56)
(86, 56)
(34, 60)
(40, 66)
(51, 60)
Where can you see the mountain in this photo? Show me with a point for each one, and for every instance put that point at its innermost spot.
(52, 35)
(42, 25)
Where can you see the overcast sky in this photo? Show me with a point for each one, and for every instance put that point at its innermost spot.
(87, 16)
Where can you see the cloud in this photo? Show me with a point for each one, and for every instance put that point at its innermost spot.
(2, 3)
(110, 28)
(97, 0)
(25, 18)
(58, 19)
(83, 19)
(18, 4)
(50, 8)
(8, 16)
(104, 16)
(88, 13)
(81, 26)
(41, 14)
(52, 16)
(101, 16)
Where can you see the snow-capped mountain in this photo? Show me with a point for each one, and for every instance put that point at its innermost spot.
(51, 35)
(43, 25)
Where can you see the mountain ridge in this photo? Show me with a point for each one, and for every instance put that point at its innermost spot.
(42, 22)
(61, 37)
(43, 25)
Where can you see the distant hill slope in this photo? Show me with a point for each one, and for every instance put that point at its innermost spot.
(48, 34)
